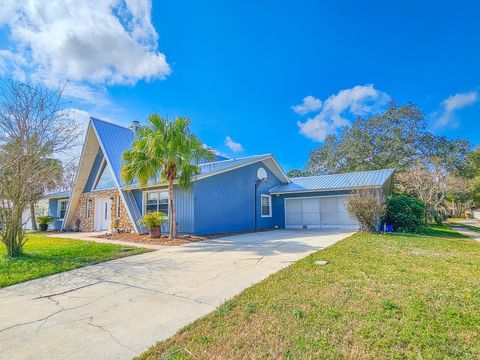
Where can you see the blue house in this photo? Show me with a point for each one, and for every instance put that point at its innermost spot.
(229, 195)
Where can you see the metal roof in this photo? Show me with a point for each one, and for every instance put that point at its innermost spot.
(115, 140)
(58, 194)
(346, 181)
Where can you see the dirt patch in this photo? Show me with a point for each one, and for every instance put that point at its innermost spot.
(146, 239)
(164, 240)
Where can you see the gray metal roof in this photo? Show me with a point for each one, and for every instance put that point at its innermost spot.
(347, 181)
(58, 194)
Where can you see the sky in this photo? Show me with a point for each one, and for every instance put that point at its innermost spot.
(254, 77)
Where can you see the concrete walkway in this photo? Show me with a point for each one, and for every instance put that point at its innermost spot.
(94, 236)
(117, 309)
(465, 231)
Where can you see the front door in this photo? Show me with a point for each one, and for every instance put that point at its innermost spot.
(103, 208)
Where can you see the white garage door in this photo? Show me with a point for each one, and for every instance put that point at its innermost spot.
(318, 212)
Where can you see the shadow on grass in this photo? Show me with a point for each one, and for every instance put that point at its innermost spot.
(438, 231)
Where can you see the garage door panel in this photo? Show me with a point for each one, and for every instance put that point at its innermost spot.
(328, 212)
(311, 219)
(310, 206)
(293, 206)
(294, 219)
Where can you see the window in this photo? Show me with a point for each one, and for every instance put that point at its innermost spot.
(117, 207)
(157, 201)
(62, 208)
(87, 210)
(266, 204)
(104, 178)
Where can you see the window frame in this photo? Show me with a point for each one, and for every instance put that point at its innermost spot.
(87, 209)
(269, 197)
(59, 208)
(145, 199)
(101, 169)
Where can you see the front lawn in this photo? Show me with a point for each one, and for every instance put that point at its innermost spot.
(380, 296)
(44, 256)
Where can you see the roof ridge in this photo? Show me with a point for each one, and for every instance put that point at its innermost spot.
(345, 173)
(234, 159)
(109, 123)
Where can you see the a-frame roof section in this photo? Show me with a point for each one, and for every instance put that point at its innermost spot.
(114, 140)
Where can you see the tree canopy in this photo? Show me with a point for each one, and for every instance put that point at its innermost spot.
(397, 138)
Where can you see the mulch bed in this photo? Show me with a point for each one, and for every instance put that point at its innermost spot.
(164, 240)
(146, 239)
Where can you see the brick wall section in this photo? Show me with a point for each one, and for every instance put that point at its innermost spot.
(87, 224)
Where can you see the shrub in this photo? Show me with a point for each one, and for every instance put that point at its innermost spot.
(405, 213)
(45, 220)
(153, 219)
(368, 207)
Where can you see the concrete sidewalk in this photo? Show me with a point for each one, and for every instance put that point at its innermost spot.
(117, 309)
(94, 236)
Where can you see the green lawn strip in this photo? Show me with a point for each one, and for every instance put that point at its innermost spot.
(380, 296)
(45, 256)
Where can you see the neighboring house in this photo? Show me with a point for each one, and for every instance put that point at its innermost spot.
(41, 209)
(230, 195)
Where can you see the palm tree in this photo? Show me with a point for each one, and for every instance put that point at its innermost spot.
(167, 149)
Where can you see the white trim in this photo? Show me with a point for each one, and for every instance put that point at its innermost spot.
(89, 128)
(356, 227)
(120, 190)
(254, 160)
(273, 192)
(100, 171)
(144, 199)
(59, 208)
(269, 197)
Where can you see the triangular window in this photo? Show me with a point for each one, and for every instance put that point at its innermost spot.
(104, 179)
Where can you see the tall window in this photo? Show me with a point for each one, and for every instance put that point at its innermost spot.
(104, 178)
(117, 207)
(87, 210)
(62, 208)
(266, 206)
(157, 201)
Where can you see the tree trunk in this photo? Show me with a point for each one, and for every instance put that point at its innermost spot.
(32, 217)
(171, 208)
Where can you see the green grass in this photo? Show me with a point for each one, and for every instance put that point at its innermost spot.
(401, 296)
(45, 256)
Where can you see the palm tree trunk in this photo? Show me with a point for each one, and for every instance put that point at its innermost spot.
(171, 208)
(32, 217)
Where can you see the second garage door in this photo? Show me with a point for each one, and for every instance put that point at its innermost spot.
(318, 212)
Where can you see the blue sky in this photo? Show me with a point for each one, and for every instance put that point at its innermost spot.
(238, 69)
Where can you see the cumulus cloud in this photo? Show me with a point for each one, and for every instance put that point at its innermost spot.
(232, 145)
(359, 100)
(100, 42)
(452, 104)
(308, 105)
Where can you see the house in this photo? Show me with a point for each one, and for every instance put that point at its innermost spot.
(229, 195)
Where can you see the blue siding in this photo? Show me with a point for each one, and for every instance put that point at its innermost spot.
(53, 211)
(93, 173)
(225, 202)
(184, 206)
(278, 202)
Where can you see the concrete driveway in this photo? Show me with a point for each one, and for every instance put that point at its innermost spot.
(117, 309)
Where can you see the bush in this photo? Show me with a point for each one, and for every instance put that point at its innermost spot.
(405, 213)
(368, 207)
(153, 219)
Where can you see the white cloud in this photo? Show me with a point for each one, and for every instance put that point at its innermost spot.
(453, 103)
(100, 42)
(359, 100)
(308, 105)
(232, 145)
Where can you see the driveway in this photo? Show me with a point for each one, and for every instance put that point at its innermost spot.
(117, 309)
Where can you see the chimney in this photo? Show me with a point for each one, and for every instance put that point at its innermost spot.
(134, 126)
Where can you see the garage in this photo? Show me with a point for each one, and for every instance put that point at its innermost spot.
(316, 202)
(318, 212)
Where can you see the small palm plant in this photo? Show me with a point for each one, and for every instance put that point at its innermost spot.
(154, 221)
(43, 222)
